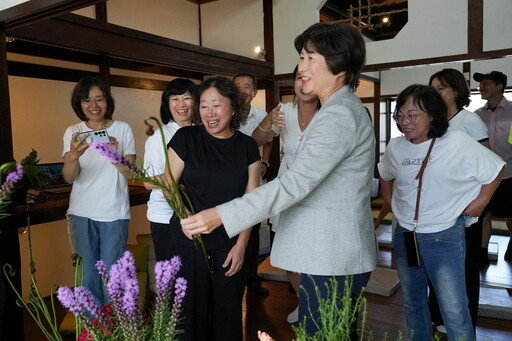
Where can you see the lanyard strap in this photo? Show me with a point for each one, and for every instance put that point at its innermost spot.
(420, 182)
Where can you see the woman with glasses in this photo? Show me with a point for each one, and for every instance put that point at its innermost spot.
(453, 88)
(323, 195)
(99, 206)
(437, 182)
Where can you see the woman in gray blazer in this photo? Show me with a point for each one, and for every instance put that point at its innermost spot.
(323, 197)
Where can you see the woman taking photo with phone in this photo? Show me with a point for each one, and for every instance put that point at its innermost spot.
(99, 206)
(437, 182)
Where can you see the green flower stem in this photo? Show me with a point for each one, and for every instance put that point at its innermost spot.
(173, 193)
(35, 305)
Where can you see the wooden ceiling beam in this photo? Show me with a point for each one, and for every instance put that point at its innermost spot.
(116, 42)
(35, 10)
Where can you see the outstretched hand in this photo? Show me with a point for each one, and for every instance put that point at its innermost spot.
(203, 222)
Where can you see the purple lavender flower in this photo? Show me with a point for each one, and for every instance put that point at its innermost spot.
(102, 270)
(15, 175)
(111, 154)
(131, 297)
(181, 288)
(85, 298)
(7, 187)
(66, 297)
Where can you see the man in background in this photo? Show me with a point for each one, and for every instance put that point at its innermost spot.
(497, 116)
(247, 87)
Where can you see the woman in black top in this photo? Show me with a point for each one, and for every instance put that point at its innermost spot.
(215, 163)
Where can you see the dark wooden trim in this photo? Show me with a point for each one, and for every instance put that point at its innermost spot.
(21, 69)
(268, 30)
(376, 125)
(32, 11)
(101, 12)
(45, 51)
(122, 43)
(6, 148)
(475, 26)
(439, 60)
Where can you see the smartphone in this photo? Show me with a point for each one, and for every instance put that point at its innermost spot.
(100, 135)
(411, 248)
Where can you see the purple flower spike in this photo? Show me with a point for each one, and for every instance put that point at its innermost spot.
(66, 296)
(16, 175)
(86, 299)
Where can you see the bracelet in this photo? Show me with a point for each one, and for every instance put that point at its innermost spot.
(265, 163)
(264, 130)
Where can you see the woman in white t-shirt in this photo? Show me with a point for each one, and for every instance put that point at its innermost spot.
(459, 178)
(176, 111)
(291, 121)
(453, 88)
(99, 205)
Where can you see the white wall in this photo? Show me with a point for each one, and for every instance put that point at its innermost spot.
(291, 18)
(175, 19)
(234, 26)
(434, 28)
(394, 81)
(497, 25)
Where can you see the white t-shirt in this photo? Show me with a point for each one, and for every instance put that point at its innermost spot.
(457, 169)
(159, 210)
(100, 192)
(253, 119)
(470, 123)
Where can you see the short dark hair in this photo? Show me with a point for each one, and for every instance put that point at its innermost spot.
(178, 86)
(455, 80)
(247, 74)
(341, 45)
(81, 91)
(227, 89)
(431, 102)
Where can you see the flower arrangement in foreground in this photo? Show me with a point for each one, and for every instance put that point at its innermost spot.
(124, 318)
(14, 173)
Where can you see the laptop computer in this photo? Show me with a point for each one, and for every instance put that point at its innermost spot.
(57, 184)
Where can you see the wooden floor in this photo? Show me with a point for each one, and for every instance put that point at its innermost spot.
(385, 315)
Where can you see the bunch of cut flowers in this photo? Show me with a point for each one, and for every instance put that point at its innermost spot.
(124, 317)
(174, 194)
(13, 173)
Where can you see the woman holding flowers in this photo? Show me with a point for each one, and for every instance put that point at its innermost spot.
(99, 206)
(323, 196)
(213, 163)
(176, 111)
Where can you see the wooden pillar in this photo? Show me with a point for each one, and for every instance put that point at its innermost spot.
(11, 316)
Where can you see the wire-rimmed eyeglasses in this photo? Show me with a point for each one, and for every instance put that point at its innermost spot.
(409, 117)
(97, 101)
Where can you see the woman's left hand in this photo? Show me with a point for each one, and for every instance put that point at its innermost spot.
(113, 142)
(235, 258)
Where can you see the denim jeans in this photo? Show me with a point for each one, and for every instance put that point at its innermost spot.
(95, 240)
(442, 257)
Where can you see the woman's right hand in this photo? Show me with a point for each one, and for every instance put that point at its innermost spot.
(277, 117)
(77, 148)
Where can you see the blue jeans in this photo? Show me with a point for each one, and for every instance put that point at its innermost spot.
(310, 284)
(94, 240)
(442, 257)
